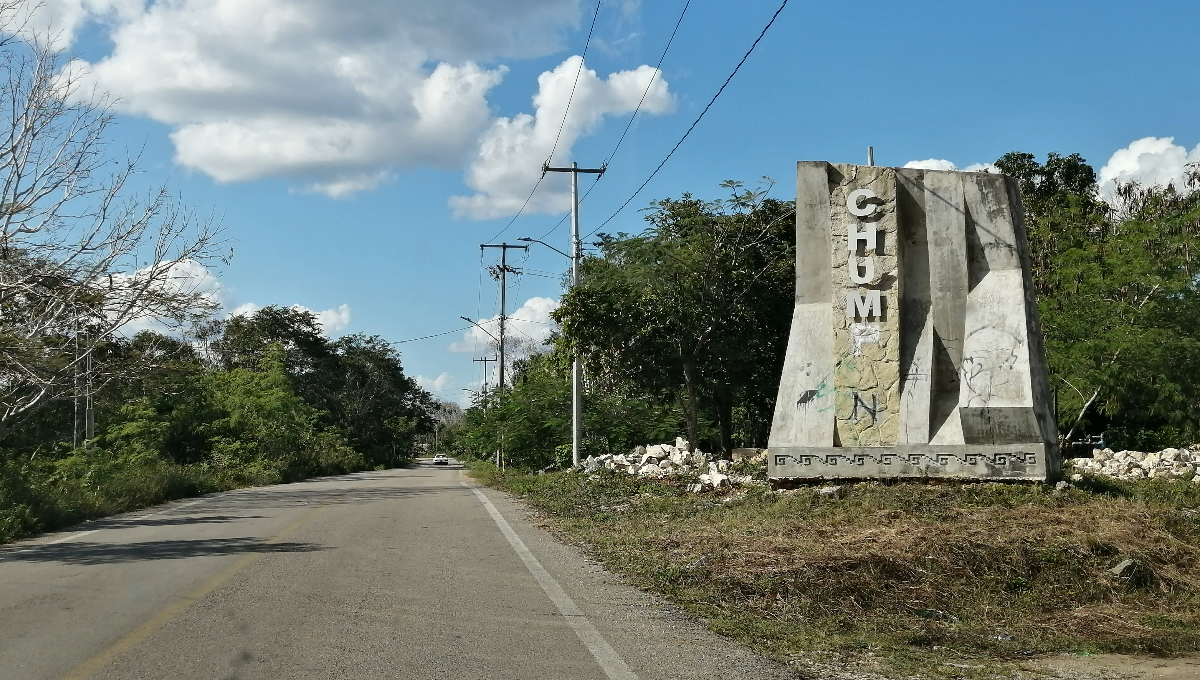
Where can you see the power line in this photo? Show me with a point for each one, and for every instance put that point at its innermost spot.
(523, 206)
(561, 124)
(697, 121)
(657, 70)
(564, 217)
(464, 328)
(479, 295)
(426, 337)
(629, 123)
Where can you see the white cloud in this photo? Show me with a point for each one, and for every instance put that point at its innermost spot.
(511, 152)
(931, 164)
(527, 328)
(57, 22)
(445, 387)
(337, 94)
(245, 309)
(184, 277)
(442, 383)
(193, 277)
(331, 320)
(983, 167)
(942, 164)
(1148, 161)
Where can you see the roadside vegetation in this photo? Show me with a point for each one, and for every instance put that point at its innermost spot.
(261, 399)
(939, 580)
(96, 418)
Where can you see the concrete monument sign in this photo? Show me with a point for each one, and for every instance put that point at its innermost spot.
(915, 349)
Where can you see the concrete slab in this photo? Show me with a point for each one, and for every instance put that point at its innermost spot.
(915, 348)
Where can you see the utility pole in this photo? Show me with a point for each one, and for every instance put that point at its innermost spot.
(576, 256)
(504, 269)
(485, 361)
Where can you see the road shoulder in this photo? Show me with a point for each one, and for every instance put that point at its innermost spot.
(654, 637)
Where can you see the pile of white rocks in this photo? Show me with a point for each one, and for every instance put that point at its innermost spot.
(660, 461)
(1165, 464)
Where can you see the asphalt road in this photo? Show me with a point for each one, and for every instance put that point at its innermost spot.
(397, 574)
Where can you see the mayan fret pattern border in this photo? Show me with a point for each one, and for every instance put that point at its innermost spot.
(943, 459)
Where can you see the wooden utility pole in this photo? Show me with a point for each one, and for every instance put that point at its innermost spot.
(576, 256)
(504, 270)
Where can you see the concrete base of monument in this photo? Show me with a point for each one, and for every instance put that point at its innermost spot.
(993, 462)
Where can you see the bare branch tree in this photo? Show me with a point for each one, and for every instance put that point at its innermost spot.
(81, 254)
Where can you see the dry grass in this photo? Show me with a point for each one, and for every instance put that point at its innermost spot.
(917, 574)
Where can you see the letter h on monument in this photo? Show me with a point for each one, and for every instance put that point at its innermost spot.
(913, 296)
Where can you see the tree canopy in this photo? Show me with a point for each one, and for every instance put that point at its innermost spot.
(1118, 292)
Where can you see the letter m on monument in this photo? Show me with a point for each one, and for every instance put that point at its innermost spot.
(931, 313)
(864, 305)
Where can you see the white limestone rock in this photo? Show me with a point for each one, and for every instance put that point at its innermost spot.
(650, 471)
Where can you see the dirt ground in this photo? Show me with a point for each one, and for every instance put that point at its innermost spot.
(1117, 667)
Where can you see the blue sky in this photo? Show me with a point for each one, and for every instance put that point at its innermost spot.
(294, 122)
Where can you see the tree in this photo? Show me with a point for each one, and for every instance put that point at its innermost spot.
(530, 421)
(699, 303)
(356, 383)
(380, 409)
(1118, 292)
(308, 357)
(81, 257)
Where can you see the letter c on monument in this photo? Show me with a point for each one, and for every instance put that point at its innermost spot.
(857, 197)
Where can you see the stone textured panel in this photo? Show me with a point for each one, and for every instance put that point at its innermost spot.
(866, 348)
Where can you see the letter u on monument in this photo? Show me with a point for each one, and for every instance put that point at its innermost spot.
(930, 319)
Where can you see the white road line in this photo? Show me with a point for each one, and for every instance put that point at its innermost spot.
(176, 507)
(64, 539)
(612, 664)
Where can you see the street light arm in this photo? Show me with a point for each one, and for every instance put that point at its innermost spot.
(480, 328)
(534, 240)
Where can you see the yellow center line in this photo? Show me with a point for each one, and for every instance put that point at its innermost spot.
(90, 667)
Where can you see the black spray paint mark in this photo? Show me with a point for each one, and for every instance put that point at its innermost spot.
(873, 409)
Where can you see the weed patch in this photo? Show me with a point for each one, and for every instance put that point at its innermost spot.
(918, 575)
